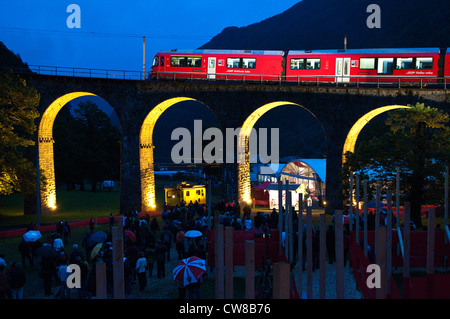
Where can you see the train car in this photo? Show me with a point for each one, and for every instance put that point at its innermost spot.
(446, 72)
(254, 65)
(174, 194)
(364, 65)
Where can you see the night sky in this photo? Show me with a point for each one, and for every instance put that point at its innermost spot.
(110, 36)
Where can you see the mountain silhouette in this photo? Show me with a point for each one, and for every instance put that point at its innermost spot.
(322, 24)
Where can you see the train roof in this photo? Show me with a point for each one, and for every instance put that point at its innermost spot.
(211, 51)
(367, 51)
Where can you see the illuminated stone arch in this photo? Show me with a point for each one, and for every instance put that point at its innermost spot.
(352, 136)
(148, 193)
(244, 185)
(45, 147)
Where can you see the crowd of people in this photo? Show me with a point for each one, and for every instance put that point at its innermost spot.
(148, 245)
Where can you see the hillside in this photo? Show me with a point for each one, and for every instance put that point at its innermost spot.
(9, 59)
(322, 24)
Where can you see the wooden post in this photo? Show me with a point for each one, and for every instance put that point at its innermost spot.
(431, 239)
(289, 233)
(377, 213)
(280, 215)
(406, 237)
(229, 262)
(357, 208)
(286, 220)
(309, 251)
(100, 278)
(323, 256)
(339, 240)
(446, 206)
(397, 211)
(281, 280)
(209, 204)
(118, 267)
(381, 261)
(350, 215)
(249, 269)
(219, 280)
(300, 245)
(365, 216)
(389, 242)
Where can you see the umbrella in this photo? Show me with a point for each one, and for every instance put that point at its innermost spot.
(130, 235)
(98, 237)
(95, 250)
(46, 251)
(193, 233)
(32, 235)
(189, 270)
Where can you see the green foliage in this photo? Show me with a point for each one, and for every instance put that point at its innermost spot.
(418, 143)
(18, 111)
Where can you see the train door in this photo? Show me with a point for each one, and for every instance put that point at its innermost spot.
(211, 67)
(342, 69)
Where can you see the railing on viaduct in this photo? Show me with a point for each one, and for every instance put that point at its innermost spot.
(384, 81)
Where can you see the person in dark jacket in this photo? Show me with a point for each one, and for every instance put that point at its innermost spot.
(17, 280)
(25, 252)
(160, 258)
(4, 282)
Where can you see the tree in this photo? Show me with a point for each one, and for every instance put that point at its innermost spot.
(89, 141)
(18, 110)
(418, 143)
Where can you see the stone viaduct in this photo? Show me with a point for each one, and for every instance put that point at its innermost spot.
(336, 108)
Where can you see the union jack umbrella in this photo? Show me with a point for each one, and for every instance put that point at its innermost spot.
(189, 271)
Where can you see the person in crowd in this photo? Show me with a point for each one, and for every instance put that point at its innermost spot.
(25, 252)
(4, 282)
(160, 258)
(166, 239)
(17, 280)
(179, 243)
(64, 291)
(141, 271)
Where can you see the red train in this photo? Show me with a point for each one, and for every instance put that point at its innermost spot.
(357, 65)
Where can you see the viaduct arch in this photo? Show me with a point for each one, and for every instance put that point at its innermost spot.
(244, 185)
(338, 109)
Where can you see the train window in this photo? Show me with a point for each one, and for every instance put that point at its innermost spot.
(155, 61)
(312, 64)
(187, 193)
(233, 63)
(424, 63)
(248, 63)
(162, 61)
(297, 64)
(194, 61)
(178, 61)
(404, 64)
(367, 63)
(385, 65)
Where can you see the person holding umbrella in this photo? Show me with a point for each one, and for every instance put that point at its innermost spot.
(188, 274)
(25, 251)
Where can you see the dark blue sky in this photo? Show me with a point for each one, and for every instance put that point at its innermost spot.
(111, 32)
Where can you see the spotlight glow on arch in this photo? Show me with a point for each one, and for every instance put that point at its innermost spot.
(352, 136)
(244, 185)
(148, 194)
(45, 147)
